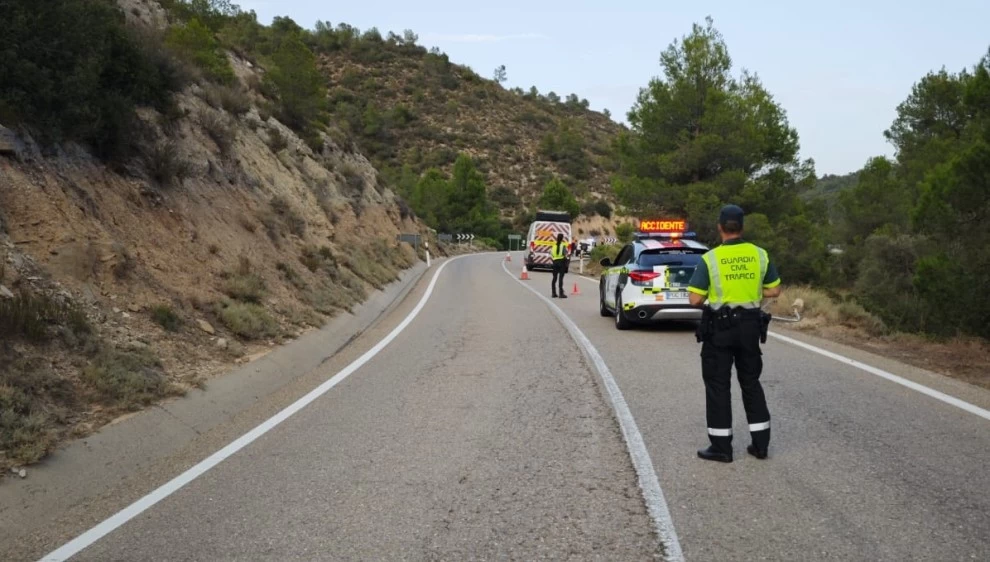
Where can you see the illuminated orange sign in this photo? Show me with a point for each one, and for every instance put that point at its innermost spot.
(663, 226)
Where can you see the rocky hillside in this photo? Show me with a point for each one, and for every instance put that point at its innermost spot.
(409, 108)
(212, 234)
(182, 188)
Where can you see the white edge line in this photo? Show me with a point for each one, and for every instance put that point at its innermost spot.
(101, 530)
(951, 400)
(649, 484)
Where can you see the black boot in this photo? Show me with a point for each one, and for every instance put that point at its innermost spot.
(758, 453)
(713, 454)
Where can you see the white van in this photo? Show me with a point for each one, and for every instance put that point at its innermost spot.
(543, 234)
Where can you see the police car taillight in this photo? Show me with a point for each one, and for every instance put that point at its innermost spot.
(642, 277)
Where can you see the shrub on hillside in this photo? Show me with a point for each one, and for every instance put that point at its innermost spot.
(231, 99)
(299, 85)
(32, 316)
(243, 284)
(887, 281)
(72, 70)
(290, 218)
(276, 140)
(247, 288)
(128, 378)
(166, 317)
(28, 391)
(165, 165)
(505, 198)
(624, 232)
(247, 320)
(603, 209)
(557, 196)
(195, 42)
(219, 129)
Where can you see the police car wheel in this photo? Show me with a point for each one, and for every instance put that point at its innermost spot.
(602, 309)
(621, 323)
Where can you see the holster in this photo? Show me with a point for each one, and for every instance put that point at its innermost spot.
(707, 325)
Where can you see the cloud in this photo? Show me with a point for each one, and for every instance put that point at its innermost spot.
(479, 38)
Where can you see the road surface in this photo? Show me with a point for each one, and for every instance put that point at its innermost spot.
(484, 431)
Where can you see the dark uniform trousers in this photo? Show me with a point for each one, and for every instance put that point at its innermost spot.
(736, 341)
(557, 282)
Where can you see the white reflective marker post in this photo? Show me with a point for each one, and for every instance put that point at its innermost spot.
(427, 245)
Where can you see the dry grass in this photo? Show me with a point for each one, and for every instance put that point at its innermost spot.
(33, 401)
(34, 316)
(369, 267)
(821, 310)
(248, 287)
(166, 317)
(243, 284)
(166, 165)
(329, 298)
(313, 259)
(247, 320)
(276, 140)
(128, 379)
(231, 99)
(290, 218)
(291, 275)
(849, 323)
(219, 128)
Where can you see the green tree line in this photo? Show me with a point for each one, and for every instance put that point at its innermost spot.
(908, 238)
(458, 203)
(915, 229)
(701, 137)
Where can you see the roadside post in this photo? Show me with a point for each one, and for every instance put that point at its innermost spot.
(414, 240)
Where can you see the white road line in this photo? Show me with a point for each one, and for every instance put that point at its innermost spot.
(648, 481)
(951, 400)
(101, 530)
(973, 409)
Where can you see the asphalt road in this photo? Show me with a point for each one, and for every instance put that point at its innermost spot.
(481, 432)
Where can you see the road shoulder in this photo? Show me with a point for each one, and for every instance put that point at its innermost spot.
(95, 467)
(936, 381)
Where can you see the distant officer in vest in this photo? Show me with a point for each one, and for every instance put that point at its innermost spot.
(734, 278)
(558, 253)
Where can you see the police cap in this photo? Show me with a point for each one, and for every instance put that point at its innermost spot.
(731, 213)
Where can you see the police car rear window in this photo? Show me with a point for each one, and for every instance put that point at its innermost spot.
(650, 259)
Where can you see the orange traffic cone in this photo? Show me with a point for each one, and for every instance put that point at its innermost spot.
(525, 274)
(576, 291)
(508, 256)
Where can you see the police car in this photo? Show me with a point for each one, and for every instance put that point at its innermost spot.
(647, 281)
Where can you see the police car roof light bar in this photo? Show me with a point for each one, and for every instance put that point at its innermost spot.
(666, 235)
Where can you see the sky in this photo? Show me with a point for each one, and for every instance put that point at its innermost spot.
(838, 68)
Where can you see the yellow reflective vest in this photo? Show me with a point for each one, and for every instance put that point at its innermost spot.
(558, 251)
(736, 273)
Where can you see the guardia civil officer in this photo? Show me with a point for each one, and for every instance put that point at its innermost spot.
(558, 253)
(734, 278)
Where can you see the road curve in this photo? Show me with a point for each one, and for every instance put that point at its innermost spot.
(861, 468)
(480, 432)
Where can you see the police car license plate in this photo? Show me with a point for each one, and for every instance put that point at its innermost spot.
(667, 296)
